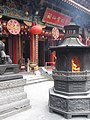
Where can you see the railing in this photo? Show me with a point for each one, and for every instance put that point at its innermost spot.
(69, 73)
(49, 63)
(70, 76)
(22, 65)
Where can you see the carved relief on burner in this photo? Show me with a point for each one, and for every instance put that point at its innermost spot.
(77, 87)
(76, 105)
(58, 102)
(88, 85)
(60, 85)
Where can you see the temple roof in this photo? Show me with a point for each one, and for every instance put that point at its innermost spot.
(71, 42)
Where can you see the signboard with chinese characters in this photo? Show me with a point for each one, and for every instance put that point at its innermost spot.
(56, 18)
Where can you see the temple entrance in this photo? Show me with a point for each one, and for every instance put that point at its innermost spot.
(25, 47)
(41, 53)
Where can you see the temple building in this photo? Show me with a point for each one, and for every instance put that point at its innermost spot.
(18, 17)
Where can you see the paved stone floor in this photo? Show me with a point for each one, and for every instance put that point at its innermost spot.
(39, 95)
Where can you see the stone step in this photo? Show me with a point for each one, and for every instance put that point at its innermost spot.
(14, 105)
(34, 77)
(14, 111)
(33, 81)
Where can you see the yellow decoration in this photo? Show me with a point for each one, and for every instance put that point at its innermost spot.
(0, 16)
(28, 23)
(42, 26)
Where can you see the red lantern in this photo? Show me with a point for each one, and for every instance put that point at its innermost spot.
(36, 29)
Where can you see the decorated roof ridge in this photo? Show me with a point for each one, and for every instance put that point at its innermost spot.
(77, 5)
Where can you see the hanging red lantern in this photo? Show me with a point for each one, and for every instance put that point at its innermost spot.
(36, 30)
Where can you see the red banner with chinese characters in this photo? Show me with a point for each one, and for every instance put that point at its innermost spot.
(56, 18)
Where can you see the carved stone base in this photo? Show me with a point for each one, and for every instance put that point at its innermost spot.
(69, 105)
(12, 95)
(9, 68)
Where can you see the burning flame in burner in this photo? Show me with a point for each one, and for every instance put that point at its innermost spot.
(75, 64)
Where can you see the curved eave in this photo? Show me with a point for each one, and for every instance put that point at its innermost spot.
(72, 41)
(54, 48)
(71, 25)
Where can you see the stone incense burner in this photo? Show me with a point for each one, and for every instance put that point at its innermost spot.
(70, 95)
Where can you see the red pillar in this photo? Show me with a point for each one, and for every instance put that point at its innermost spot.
(32, 48)
(16, 49)
(14, 52)
(32, 45)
